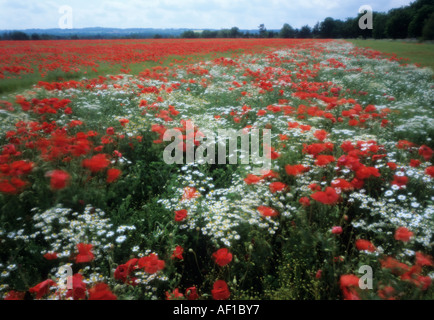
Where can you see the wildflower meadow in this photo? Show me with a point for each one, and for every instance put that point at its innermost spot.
(91, 209)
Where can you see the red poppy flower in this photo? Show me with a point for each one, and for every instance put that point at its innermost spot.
(349, 280)
(21, 167)
(222, 257)
(329, 196)
(50, 255)
(364, 172)
(304, 201)
(151, 263)
(59, 179)
(269, 174)
(84, 253)
(191, 293)
(294, 170)
(320, 134)
(399, 180)
(387, 293)
(252, 179)
(113, 174)
(123, 272)
(426, 152)
(348, 284)
(180, 215)
(101, 291)
(190, 193)
(392, 165)
(404, 144)
(323, 160)
(362, 245)
(96, 163)
(394, 265)
(342, 184)
(41, 289)
(174, 295)
(277, 186)
(347, 146)
(7, 187)
(424, 282)
(316, 148)
(403, 234)
(337, 230)
(177, 253)
(283, 137)
(430, 171)
(267, 211)
(78, 291)
(314, 187)
(220, 290)
(123, 122)
(424, 260)
(415, 163)
(14, 295)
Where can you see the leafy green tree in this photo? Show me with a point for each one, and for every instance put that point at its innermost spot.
(417, 23)
(209, 34)
(19, 35)
(379, 25)
(397, 24)
(262, 31)
(428, 29)
(188, 34)
(305, 32)
(316, 31)
(328, 28)
(223, 33)
(287, 31)
(234, 32)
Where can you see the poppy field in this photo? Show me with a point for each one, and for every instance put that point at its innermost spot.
(345, 211)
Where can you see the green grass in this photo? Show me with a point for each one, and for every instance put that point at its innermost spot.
(26, 81)
(421, 53)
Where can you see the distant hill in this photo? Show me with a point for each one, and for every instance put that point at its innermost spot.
(98, 32)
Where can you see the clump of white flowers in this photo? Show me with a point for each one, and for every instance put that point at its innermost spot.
(63, 229)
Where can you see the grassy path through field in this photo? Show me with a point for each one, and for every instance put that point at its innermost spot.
(421, 53)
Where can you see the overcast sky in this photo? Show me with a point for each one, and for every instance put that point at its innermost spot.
(194, 14)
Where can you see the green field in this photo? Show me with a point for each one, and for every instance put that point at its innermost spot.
(421, 53)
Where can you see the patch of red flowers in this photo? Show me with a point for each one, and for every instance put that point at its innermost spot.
(220, 290)
(101, 291)
(85, 253)
(222, 257)
(267, 211)
(403, 234)
(329, 196)
(180, 215)
(362, 245)
(96, 163)
(295, 170)
(58, 179)
(151, 263)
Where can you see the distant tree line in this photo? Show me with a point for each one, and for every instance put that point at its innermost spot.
(413, 21)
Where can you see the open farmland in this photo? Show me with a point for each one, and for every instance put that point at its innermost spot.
(85, 182)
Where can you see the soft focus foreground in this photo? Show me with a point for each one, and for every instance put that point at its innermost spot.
(83, 182)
